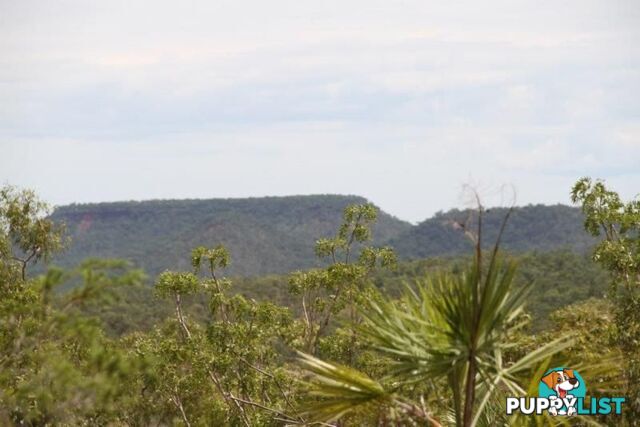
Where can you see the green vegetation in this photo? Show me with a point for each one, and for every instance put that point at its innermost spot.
(533, 227)
(263, 235)
(271, 235)
(352, 338)
(618, 252)
(452, 335)
(560, 278)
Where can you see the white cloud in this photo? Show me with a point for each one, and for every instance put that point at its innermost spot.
(400, 101)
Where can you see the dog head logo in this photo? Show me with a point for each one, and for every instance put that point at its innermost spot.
(561, 382)
(565, 385)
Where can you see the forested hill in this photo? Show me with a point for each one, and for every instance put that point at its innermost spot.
(532, 227)
(263, 235)
(277, 234)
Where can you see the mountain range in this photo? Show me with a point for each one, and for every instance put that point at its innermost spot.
(276, 234)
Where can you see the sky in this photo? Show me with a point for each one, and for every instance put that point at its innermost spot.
(403, 102)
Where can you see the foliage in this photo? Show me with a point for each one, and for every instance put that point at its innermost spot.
(27, 235)
(531, 227)
(343, 284)
(591, 352)
(95, 345)
(264, 235)
(456, 328)
(232, 356)
(57, 367)
(558, 278)
(619, 252)
(271, 235)
(342, 390)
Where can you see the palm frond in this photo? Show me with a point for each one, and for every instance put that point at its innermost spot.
(445, 328)
(340, 390)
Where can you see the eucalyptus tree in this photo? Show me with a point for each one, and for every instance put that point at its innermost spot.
(225, 371)
(27, 235)
(617, 223)
(342, 286)
(56, 366)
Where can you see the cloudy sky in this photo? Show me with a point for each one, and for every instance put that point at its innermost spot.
(402, 102)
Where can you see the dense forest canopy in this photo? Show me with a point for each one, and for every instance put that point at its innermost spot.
(272, 234)
(359, 337)
(264, 235)
(560, 277)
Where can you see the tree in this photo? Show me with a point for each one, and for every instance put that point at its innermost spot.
(226, 371)
(618, 225)
(57, 367)
(342, 285)
(27, 235)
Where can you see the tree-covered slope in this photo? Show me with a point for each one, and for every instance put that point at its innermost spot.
(276, 234)
(559, 278)
(263, 235)
(532, 227)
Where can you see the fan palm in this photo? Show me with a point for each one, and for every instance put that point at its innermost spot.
(454, 328)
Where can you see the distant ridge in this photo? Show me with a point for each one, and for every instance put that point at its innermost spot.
(531, 227)
(264, 235)
(277, 234)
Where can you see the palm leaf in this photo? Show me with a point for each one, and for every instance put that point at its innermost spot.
(431, 333)
(341, 390)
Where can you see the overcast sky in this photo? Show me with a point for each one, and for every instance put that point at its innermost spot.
(402, 102)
